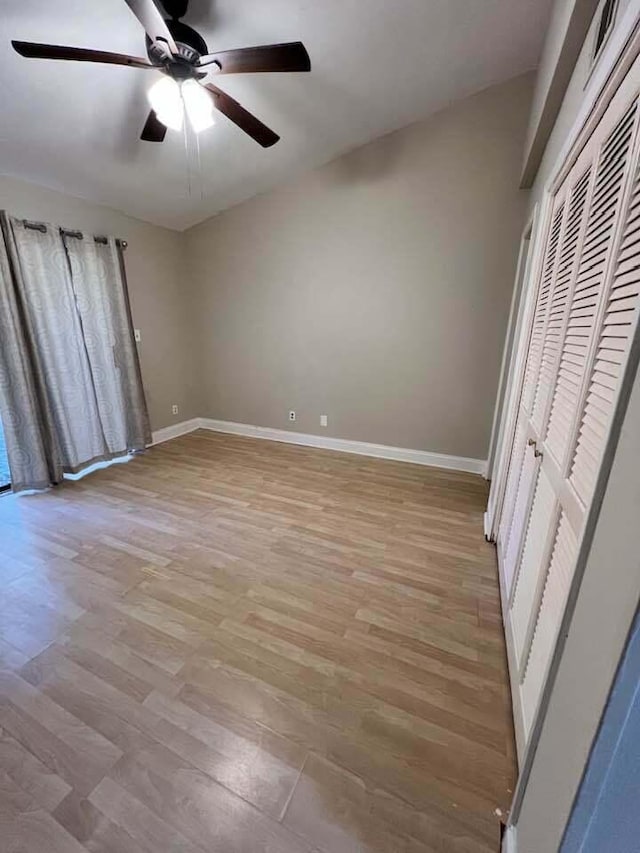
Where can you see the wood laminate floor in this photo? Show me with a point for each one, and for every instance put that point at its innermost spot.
(235, 646)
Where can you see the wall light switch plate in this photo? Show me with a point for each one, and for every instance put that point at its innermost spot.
(137, 335)
(323, 420)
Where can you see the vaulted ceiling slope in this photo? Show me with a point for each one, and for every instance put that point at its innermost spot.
(377, 65)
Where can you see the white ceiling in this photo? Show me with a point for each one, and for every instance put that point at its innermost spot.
(377, 65)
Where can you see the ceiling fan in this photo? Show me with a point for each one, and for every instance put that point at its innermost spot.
(181, 54)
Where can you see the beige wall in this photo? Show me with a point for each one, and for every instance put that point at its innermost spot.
(157, 289)
(375, 289)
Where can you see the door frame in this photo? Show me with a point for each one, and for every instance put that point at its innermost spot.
(6, 487)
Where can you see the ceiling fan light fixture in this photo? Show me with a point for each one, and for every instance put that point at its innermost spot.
(166, 100)
(198, 105)
(180, 53)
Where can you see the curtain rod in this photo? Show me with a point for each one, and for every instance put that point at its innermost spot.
(41, 226)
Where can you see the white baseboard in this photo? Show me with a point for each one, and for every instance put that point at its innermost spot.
(488, 533)
(175, 430)
(362, 448)
(343, 445)
(510, 840)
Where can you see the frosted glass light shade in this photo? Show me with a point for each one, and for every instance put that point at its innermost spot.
(165, 98)
(198, 105)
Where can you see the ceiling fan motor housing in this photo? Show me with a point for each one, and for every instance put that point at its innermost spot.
(191, 46)
(175, 8)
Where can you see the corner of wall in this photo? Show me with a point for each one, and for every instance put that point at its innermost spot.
(568, 28)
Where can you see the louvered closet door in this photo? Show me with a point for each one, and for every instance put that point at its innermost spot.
(543, 505)
(583, 325)
(522, 465)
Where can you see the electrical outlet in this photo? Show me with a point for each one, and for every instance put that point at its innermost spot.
(292, 416)
(324, 420)
(137, 335)
(174, 409)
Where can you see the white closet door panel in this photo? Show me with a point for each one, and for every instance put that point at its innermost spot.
(618, 326)
(522, 497)
(513, 478)
(565, 271)
(554, 600)
(542, 305)
(527, 589)
(587, 295)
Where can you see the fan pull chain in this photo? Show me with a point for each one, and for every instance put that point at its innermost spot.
(186, 156)
(199, 161)
(187, 133)
(185, 136)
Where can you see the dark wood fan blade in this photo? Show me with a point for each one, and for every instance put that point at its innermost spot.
(153, 130)
(78, 54)
(154, 24)
(243, 118)
(292, 56)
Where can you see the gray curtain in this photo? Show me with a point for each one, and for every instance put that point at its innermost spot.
(70, 386)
